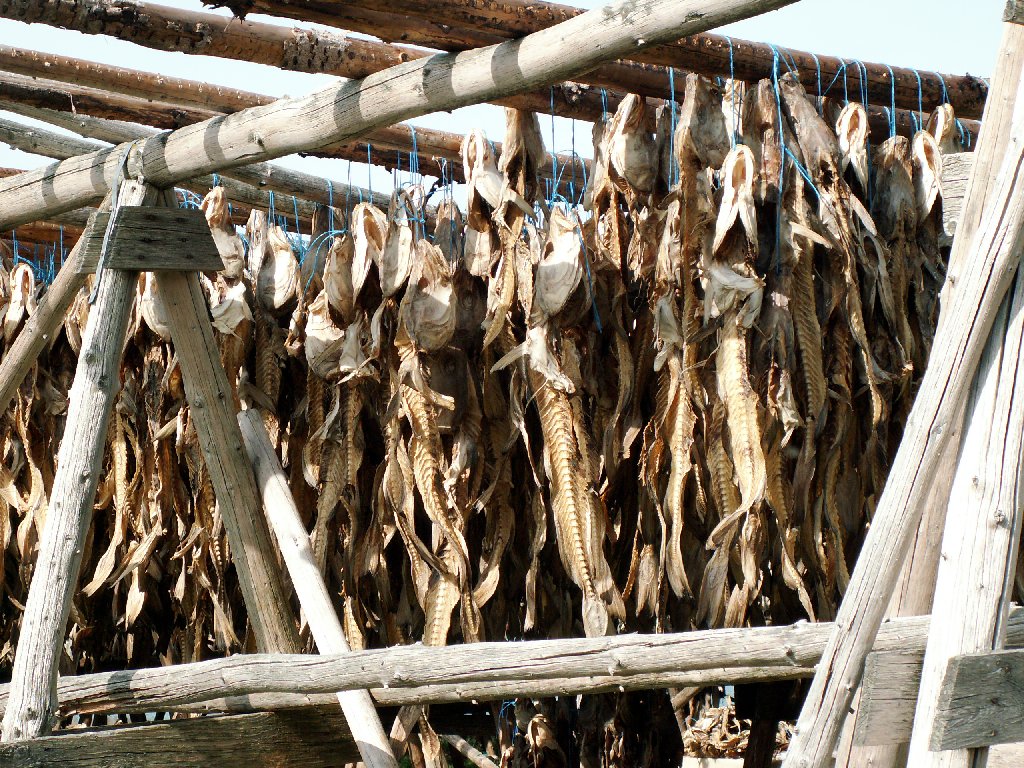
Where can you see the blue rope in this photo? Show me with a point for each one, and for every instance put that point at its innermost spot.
(920, 100)
(554, 157)
(604, 99)
(892, 114)
(673, 167)
(369, 171)
(840, 71)
(735, 109)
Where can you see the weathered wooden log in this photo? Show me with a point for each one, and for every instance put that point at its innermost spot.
(211, 409)
(293, 542)
(33, 699)
(345, 111)
(979, 548)
(968, 314)
(302, 50)
(468, 751)
(247, 185)
(132, 105)
(418, 674)
(308, 739)
(473, 23)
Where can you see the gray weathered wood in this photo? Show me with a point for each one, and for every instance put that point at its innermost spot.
(484, 670)
(211, 407)
(307, 739)
(889, 692)
(1014, 12)
(349, 109)
(969, 310)
(293, 542)
(979, 548)
(981, 701)
(147, 239)
(33, 697)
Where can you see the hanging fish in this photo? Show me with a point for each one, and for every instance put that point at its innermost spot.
(229, 244)
(277, 282)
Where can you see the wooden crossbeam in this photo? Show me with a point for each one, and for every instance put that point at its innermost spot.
(348, 110)
(484, 671)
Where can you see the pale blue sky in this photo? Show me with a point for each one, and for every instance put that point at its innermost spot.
(953, 37)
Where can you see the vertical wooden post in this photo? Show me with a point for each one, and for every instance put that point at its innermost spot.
(979, 548)
(32, 702)
(991, 242)
(293, 541)
(212, 409)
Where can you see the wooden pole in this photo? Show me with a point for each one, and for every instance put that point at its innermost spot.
(468, 751)
(347, 110)
(33, 701)
(473, 23)
(415, 674)
(247, 184)
(293, 542)
(993, 247)
(979, 549)
(210, 407)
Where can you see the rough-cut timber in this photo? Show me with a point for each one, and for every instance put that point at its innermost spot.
(317, 608)
(33, 697)
(468, 751)
(284, 740)
(147, 239)
(348, 110)
(885, 715)
(421, 674)
(981, 702)
(956, 170)
(211, 409)
(472, 23)
(962, 334)
(1014, 12)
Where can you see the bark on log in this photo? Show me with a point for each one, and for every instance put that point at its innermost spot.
(33, 697)
(420, 674)
(211, 409)
(979, 548)
(471, 23)
(345, 111)
(293, 542)
(994, 249)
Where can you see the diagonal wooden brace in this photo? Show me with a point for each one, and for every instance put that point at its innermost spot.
(32, 708)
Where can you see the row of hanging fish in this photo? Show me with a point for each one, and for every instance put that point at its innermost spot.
(669, 408)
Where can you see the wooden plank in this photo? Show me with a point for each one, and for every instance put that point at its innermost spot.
(990, 245)
(890, 684)
(1014, 12)
(33, 698)
(417, 674)
(308, 739)
(1006, 756)
(212, 411)
(293, 541)
(346, 110)
(981, 701)
(153, 239)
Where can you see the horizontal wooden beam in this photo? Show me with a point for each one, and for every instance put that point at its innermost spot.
(461, 24)
(981, 701)
(318, 51)
(148, 239)
(346, 111)
(165, 28)
(307, 739)
(483, 671)
(248, 185)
